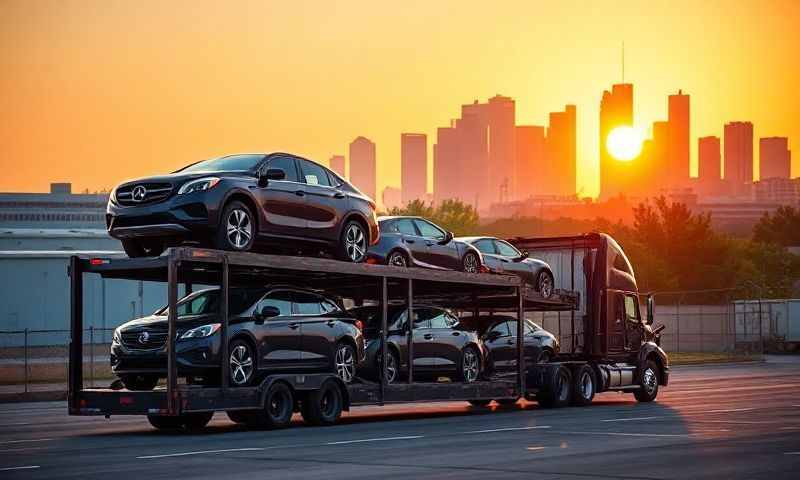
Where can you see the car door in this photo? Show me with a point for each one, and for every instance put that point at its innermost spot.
(318, 328)
(507, 255)
(410, 236)
(425, 347)
(442, 256)
(491, 259)
(633, 324)
(325, 202)
(278, 337)
(448, 341)
(500, 343)
(282, 202)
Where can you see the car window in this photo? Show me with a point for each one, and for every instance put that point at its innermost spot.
(440, 319)
(429, 230)
(405, 226)
(328, 306)
(306, 304)
(530, 327)
(631, 312)
(280, 299)
(501, 329)
(422, 317)
(230, 163)
(313, 174)
(204, 303)
(287, 165)
(485, 246)
(505, 249)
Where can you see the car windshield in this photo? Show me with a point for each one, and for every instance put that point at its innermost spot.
(231, 163)
(207, 302)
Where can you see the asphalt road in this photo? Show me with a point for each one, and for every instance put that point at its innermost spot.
(712, 422)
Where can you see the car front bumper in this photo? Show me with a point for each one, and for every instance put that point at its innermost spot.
(196, 356)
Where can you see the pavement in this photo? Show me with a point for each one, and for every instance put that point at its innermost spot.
(733, 421)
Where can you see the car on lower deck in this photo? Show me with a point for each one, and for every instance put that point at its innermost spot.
(417, 242)
(440, 346)
(244, 202)
(272, 329)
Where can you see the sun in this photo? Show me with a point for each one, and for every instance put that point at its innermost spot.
(624, 143)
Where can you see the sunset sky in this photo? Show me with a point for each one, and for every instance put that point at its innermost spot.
(94, 92)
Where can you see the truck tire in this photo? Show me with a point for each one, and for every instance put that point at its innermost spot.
(277, 411)
(584, 386)
(648, 383)
(557, 392)
(324, 406)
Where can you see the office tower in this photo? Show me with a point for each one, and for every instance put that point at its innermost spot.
(531, 161)
(413, 166)
(561, 157)
(677, 174)
(775, 159)
(709, 166)
(502, 148)
(472, 172)
(445, 156)
(363, 166)
(738, 156)
(616, 110)
(337, 164)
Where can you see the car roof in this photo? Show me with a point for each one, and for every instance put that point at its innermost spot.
(474, 239)
(393, 217)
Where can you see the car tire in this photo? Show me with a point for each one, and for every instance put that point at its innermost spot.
(277, 411)
(584, 386)
(471, 263)
(398, 259)
(545, 356)
(648, 383)
(344, 362)
(354, 242)
(469, 366)
(482, 403)
(557, 392)
(241, 363)
(237, 228)
(324, 406)
(139, 382)
(545, 284)
(392, 366)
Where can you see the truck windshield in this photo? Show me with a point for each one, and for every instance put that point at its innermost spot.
(231, 163)
(207, 302)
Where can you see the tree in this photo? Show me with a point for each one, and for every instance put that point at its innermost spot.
(782, 228)
(452, 215)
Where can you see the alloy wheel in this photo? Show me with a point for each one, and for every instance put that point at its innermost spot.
(545, 285)
(470, 366)
(241, 364)
(391, 368)
(355, 243)
(587, 385)
(649, 380)
(345, 363)
(397, 259)
(239, 228)
(470, 263)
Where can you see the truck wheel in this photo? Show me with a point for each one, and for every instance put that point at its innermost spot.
(323, 406)
(648, 383)
(558, 391)
(583, 386)
(277, 411)
(139, 382)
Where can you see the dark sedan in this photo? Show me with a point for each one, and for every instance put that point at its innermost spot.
(239, 202)
(500, 256)
(441, 346)
(499, 336)
(272, 329)
(416, 242)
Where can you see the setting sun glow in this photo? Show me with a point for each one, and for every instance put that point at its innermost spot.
(624, 143)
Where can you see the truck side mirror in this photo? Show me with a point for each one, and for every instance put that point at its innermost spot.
(650, 309)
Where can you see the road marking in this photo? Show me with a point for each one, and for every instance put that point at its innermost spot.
(735, 422)
(200, 452)
(728, 410)
(14, 424)
(792, 453)
(633, 419)
(621, 434)
(382, 439)
(535, 449)
(26, 467)
(7, 442)
(509, 429)
(739, 389)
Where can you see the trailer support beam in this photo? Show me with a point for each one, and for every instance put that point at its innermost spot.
(384, 327)
(172, 317)
(76, 337)
(410, 323)
(223, 334)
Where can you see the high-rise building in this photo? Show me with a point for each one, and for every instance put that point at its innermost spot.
(738, 156)
(363, 166)
(413, 166)
(775, 159)
(472, 170)
(616, 110)
(561, 152)
(709, 166)
(502, 148)
(445, 158)
(337, 164)
(677, 174)
(531, 161)
(392, 198)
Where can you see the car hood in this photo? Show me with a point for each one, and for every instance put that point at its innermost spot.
(159, 322)
(179, 178)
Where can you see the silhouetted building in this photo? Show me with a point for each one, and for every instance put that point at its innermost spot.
(677, 174)
(561, 153)
(445, 164)
(413, 166)
(502, 148)
(780, 190)
(709, 166)
(738, 168)
(616, 110)
(59, 209)
(363, 166)
(531, 161)
(473, 167)
(337, 164)
(392, 197)
(775, 159)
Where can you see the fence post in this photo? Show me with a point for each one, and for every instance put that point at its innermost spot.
(678, 322)
(26, 361)
(91, 355)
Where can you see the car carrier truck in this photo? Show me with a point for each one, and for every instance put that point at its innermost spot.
(612, 346)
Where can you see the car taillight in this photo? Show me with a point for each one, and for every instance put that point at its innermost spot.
(372, 261)
(359, 325)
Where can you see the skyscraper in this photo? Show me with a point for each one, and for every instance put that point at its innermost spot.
(775, 159)
(472, 170)
(616, 110)
(413, 166)
(709, 166)
(561, 153)
(677, 173)
(531, 160)
(502, 149)
(337, 164)
(363, 166)
(445, 156)
(738, 160)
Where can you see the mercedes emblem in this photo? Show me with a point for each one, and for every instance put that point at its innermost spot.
(144, 337)
(138, 193)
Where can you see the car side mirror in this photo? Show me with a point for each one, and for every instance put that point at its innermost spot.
(270, 174)
(265, 312)
(522, 257)
(492, 336)
(651, 305)
(448, 237)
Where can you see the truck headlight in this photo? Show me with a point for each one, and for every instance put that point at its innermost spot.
(199, 185)
(201, 332)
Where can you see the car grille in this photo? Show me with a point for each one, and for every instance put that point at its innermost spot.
(143, 339)
(152, 193)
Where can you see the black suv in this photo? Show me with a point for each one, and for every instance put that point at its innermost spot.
(274, 329)
(239, 201)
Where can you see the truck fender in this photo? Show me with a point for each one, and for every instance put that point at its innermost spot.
(651, 351)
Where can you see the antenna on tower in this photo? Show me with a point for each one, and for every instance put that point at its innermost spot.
(623, 61)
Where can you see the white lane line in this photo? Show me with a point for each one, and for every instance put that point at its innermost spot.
(791, 453)
(26, 467)
(621, 434)
(200, 452)
(634, 419)
(382, 439)
(509, 429)
(738, 389)
(14, 424)
(729, 410)
(7, 442)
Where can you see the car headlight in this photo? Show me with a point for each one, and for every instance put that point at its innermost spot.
(201, 332)
(199, 185)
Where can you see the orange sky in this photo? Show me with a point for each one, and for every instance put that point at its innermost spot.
(94, 92)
